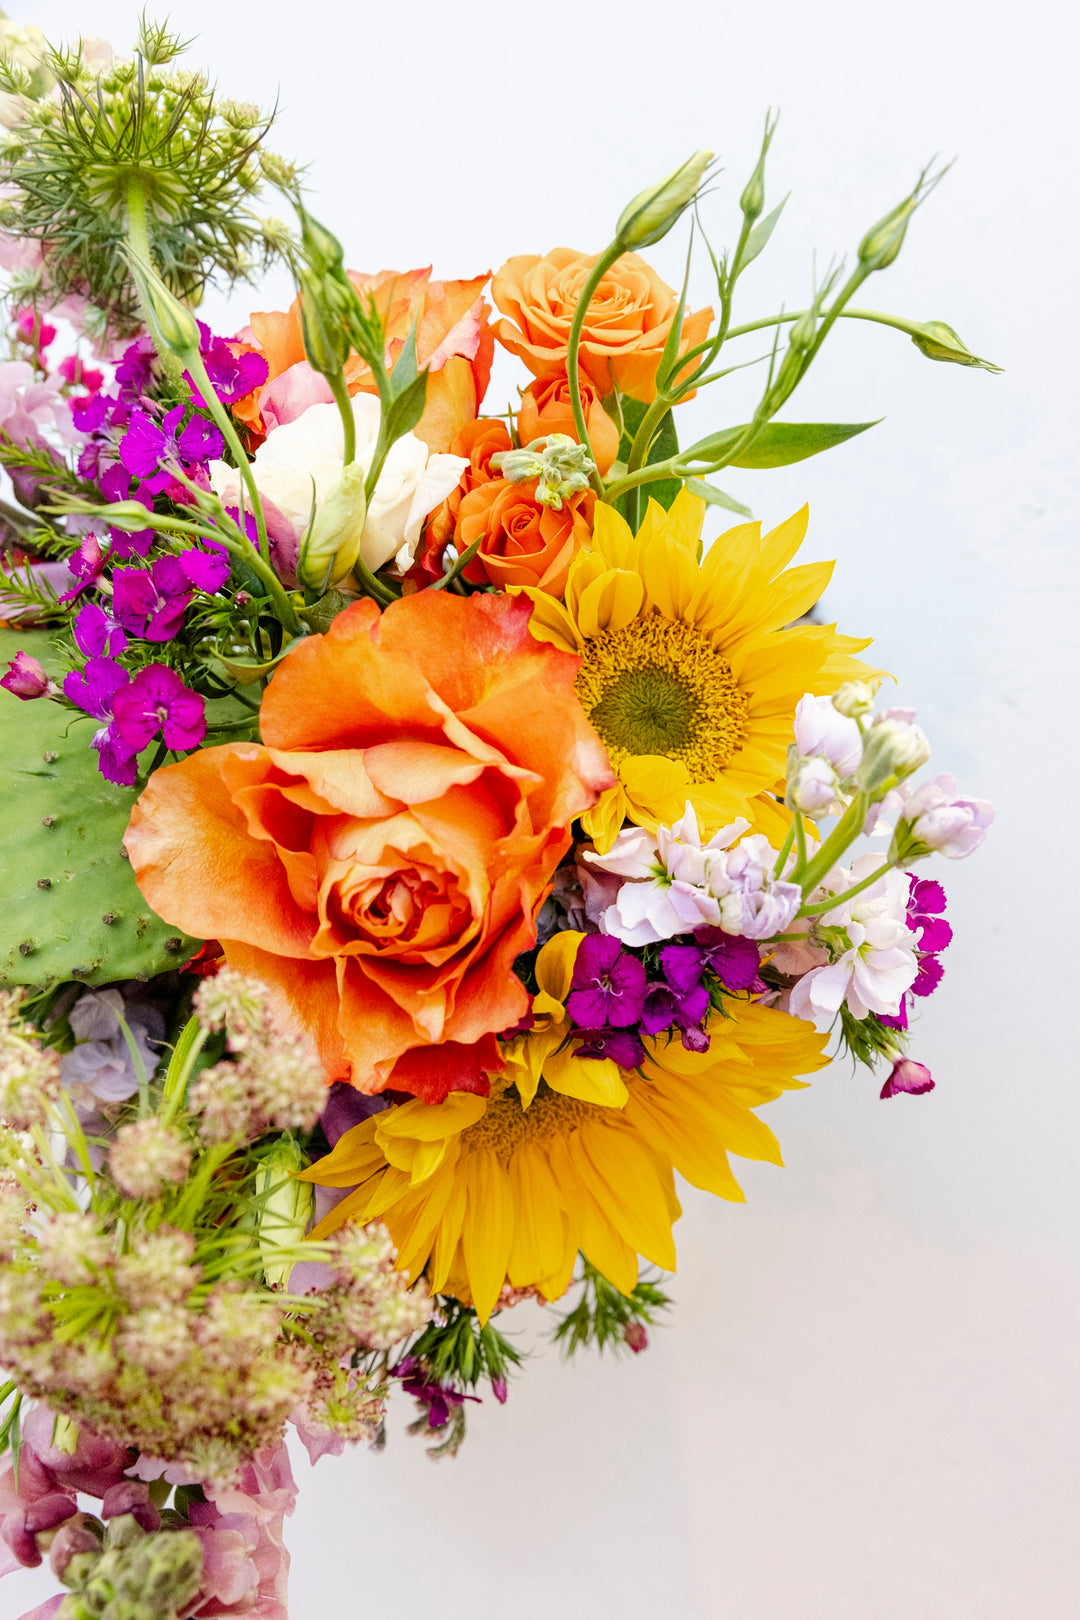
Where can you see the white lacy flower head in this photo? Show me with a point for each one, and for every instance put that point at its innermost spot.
(879, 963)
(674, 882)
(304, 459)
(822, 731)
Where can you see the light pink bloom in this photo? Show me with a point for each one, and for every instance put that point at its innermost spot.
(943, 822)
(813, 786)
(820, 730)
(29, 408)
(880, 962)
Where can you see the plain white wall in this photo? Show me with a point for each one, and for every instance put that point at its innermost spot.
(865, 1407)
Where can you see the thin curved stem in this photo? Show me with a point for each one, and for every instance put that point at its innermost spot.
(573, 374)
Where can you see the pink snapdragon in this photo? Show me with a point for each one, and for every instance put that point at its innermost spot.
(937, 819)
(877, 961)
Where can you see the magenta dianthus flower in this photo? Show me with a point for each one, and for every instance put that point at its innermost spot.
(608, 985)
(152, 603)
(156, 700)
(907, 1075)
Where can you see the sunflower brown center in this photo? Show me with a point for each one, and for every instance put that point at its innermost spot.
(505, 1126)
(660, 687)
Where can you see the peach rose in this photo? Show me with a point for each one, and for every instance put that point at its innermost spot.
(546, 408)
(625, 329)
(453, 337)
(478, 441)
(522, 542)
(380, 860)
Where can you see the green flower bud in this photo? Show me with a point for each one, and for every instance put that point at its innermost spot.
(172, 326)
(892, 749)
(939, 342)
(326, 338)
(653, 212)
(855, 698)
(284, 1210)
(331, 542)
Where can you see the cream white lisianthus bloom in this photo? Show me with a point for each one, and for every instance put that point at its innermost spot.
(305, 458)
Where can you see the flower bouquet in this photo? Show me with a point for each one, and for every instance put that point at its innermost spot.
(423, 834)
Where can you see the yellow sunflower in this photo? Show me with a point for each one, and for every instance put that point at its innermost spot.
(687, 670)
(567, 1153)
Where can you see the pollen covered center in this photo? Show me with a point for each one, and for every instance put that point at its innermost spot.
(505, 1127)
(661, 687)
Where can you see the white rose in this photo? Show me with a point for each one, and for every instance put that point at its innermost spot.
(303, 460)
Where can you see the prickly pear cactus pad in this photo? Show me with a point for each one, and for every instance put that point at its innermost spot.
(71, 908)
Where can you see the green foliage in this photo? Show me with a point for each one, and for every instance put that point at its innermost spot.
(142, 136)
(458, 1351)
(71, 906)
(867, 1039)
(603, 1314)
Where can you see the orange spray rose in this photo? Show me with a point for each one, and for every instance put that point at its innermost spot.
(380, 859)
(625, 329)
(546, 409)
(522, 542)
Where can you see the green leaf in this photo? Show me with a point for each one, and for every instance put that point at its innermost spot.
(777, 444)
(664, 445)
(405, 370)
(405, 409)
(759, 236)
(716, 497)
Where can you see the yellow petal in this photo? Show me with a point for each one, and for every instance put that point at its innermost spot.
(592, 1080)
(555, 964)
(488, 1231)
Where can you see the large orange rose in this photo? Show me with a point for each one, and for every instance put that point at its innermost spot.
(381, 858)
(453, 337)
(522, 542)
(546, 409)
(625, 329)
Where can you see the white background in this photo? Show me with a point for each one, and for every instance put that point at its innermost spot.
(865, 1407)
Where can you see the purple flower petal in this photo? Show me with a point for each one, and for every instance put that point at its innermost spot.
(936, 934)
(85, 567)
(927, 896)
(201, 441)
(206, 570)
(733, 958)
(143, 445)
(25, 677)
(623, 1046)
(658, 1013)
(88, 413)
(695, 1039)
(683, 966)
(115, 760)
(608, 984)
(97, 634)
(157, 700)
(929, 976)
(94, 688)
(907, 1075)
(134, 597)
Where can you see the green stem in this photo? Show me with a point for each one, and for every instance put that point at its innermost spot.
(841, 838)
(823, 906)
(138, 235)
(646, 430)
(344, 405)
(193, 1038)
(644, 475)
(785, 847)
(573, 376)
(897, 321)
(221, 416)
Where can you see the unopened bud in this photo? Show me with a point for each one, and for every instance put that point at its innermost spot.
(653, 212)
(937, 341)
(277, 170)
(636, 1336)
(285, 1206)
(326, 341)
(892, 749)
(812, 787)
(883, 241)
(854, 698)
(26, 678)
(172, 326)
(331, 542)
(562, 466)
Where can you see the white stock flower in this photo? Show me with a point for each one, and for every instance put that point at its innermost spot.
(820, 730)
(879, 964)
(940, 821)
(306, 457)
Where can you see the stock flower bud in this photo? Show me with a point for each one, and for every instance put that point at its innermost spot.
(331, 542)
(562, 466)
(813, 786)
(854, 698)
(285, 1206)
(654, 211)
(892, 749)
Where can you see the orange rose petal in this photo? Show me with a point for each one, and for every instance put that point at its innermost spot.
(197, 864)
(306, 993)
(415, 771)
(433, 1074)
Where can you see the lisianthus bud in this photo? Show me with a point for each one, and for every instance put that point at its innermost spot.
(173, 326)
(938, 341)
(854, 698)
(883, 241)
(285, 1206)
(331, 541)
(654, 211)
(892, 749)
(26, 678)
(812, 787)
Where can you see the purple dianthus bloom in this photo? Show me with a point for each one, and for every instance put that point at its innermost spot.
(94, 688)
(907, 1075)
(135, 371)
(622, 1046)
(438, 1398)
(147, 445)
(152, 603)
(232, 376)
(25, 677)
(733, 958)
(925, 905)
(85, 567)
(206, 570)
(116, 762)
(97, 634)
(156, 700)
(608, 985)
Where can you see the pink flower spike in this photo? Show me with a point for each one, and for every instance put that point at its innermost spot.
(907, 1075)
(26, 678)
